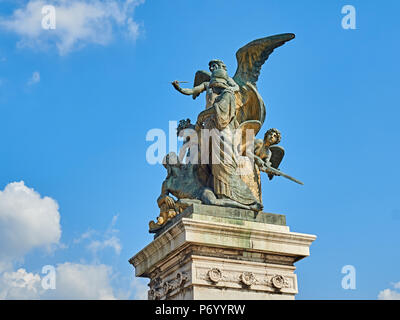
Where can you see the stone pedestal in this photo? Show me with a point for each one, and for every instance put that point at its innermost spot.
(210, 252)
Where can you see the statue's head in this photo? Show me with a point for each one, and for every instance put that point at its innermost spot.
(272, 136)
(216, 64)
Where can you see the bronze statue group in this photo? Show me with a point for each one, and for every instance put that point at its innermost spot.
(223, 160)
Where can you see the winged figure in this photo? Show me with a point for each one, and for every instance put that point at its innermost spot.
(228, 176)
(231, 103)
(267, 153)
(250, 59)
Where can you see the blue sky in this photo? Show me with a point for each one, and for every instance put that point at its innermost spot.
(75, 107)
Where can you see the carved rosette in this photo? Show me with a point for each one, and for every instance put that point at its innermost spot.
(279, 282)
(247, 278)
(215, 275)
(273, 281)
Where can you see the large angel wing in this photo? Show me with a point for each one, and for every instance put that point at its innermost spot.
(200, 77)
(249, 105)
(252, 56)
(246, 137)
(277, 153)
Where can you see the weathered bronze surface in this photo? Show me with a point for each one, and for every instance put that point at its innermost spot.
(224, 171)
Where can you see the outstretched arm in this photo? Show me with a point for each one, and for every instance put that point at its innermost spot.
(195, 91)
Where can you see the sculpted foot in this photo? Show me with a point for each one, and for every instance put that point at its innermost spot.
(256, 206)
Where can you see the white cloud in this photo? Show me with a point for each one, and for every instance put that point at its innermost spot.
(35, 78)
(78, 23)
(20, 285)
(27, 221)
(82, 281)
(73, 281)
(389, 294)
(140, 289)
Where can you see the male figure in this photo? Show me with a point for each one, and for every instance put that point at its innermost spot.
(262, 152)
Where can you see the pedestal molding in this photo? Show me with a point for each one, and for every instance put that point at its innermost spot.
(206, 257)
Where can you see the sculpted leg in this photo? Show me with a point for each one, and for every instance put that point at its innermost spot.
(208, 197)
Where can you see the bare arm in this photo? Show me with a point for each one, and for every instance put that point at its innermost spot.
(263, 163)
(195, 91)
(260, 163)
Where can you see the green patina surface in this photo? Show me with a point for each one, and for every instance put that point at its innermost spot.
(226, 215)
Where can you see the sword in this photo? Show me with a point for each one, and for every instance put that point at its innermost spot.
(277, 172)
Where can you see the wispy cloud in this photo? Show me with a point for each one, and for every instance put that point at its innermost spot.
(35, 78)
(99, 241)
(78, 23)
(112, 242)
(86, 235)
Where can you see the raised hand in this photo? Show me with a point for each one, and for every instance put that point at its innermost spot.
(176, 85)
